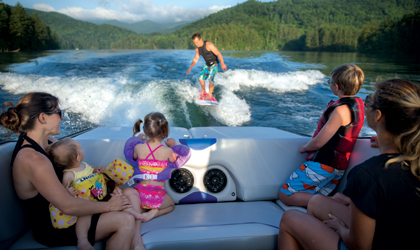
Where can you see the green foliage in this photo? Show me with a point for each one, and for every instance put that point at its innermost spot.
(314, 25)
(147, 26)
(73, 33)
(20, 31)
(392, 36)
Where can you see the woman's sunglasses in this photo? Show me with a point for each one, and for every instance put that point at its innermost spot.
(367, 101)
(59, 112)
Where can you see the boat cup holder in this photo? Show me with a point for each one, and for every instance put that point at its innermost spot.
(215, 180)
(182, 180)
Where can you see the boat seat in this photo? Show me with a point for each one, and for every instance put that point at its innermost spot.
(227, 225)
(28, 242)
(251, 221)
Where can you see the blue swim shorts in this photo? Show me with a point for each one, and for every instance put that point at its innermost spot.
(208, 72)
(312, 177)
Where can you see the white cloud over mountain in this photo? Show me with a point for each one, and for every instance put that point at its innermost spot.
(134, 11)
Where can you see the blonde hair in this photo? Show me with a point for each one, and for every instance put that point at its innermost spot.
(348, 77)
(399, 101)
(63, 152)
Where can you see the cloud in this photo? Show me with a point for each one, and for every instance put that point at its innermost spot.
(43, 7)
(134, 11)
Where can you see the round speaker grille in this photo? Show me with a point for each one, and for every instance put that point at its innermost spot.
(215, 180)
(181, 181)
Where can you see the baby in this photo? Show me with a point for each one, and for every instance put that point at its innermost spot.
(69, 155)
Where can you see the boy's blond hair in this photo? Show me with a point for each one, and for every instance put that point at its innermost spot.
(348, 77)
(63, 152)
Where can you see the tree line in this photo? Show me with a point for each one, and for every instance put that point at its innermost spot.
(376, 26)
(18, 31)
(302, 25)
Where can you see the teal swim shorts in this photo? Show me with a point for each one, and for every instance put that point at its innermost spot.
(208, 72)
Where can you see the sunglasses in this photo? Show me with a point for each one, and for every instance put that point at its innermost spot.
(329, 82)
(59, 112)
(368, 103)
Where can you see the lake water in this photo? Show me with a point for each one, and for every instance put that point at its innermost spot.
(286, 90)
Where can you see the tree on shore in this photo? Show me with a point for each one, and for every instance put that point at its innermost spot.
(23, 32)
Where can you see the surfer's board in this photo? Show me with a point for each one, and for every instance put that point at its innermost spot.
(205, 100)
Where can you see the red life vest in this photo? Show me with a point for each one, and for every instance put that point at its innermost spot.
(336, 152)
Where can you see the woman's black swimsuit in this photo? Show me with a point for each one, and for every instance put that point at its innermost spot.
(37, 208)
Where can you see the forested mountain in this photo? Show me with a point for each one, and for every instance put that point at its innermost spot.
(73, 33)
(311, 25)
(320, 25)
(393, 36)
(147, 26)
(18, 31)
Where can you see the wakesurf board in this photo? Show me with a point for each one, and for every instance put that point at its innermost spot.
(205, 100)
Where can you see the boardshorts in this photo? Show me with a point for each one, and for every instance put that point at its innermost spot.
(312, 177)
(209, 72)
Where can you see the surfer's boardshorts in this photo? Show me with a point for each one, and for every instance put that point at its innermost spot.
(312, 177)
(208, 72)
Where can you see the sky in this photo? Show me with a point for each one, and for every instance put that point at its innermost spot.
(130, 11)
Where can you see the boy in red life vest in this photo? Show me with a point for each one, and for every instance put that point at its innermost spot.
(331, 145)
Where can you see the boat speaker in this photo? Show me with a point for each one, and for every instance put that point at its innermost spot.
(215, 180)
(182, 180)
(192, 184)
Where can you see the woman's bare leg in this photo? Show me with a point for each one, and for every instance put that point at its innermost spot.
(137, 242)
(300, 229)
(320, 206)
(120, 226)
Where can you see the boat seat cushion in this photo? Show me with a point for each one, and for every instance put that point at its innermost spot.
(27, 241)
(229, 225)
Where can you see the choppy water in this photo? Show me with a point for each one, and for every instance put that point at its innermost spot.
(285, 90)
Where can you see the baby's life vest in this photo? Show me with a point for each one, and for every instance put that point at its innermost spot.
(92, 187)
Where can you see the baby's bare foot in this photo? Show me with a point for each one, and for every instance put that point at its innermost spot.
(149, 215)
(136, 214)
(84, 244)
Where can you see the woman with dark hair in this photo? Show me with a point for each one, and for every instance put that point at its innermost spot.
(381, 202)
(37, 181)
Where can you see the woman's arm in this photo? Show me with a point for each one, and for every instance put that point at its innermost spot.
(38, 170)
(361, 231)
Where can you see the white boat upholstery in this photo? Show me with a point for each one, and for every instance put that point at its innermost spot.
(258, 166)
(228, 225)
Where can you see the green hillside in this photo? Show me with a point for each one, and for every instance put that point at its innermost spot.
(309, 25)
(147, 26)
(18, 31)
(320, 25)
(73, 33)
